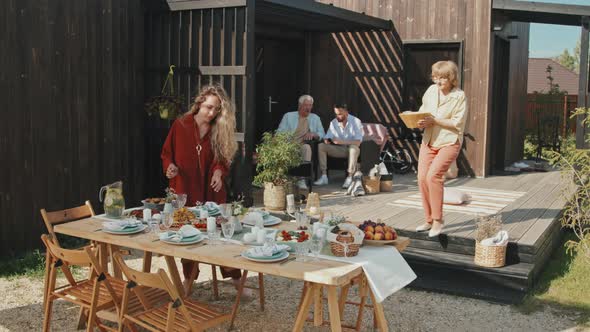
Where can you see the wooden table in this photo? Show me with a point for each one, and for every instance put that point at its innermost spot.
(316, 274)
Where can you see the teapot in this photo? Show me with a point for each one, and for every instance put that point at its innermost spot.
(114, 203)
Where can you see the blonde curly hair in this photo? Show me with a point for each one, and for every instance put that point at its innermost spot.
(223, 126)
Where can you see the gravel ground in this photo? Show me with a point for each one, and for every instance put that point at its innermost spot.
(407, 310)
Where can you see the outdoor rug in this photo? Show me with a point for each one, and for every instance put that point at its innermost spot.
(483, 201)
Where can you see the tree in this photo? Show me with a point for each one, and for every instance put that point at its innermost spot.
(567, 60)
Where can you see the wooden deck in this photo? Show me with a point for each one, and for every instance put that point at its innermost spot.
(533, 203)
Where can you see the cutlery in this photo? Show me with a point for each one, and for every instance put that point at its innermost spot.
(98, 229)
(158, 239)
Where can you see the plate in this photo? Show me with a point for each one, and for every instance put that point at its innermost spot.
(378, 242)
(212, 213)
(279, 257)
(186, 241)
(133, 230)
(268, 221)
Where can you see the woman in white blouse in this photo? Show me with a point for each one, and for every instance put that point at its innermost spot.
(441, 141)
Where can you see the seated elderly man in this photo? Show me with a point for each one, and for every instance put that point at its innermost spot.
(307, 126)
(342, 140)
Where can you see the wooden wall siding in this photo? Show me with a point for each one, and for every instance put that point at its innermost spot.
(466, 20)
(71, 85)
(517, 90)
(364, 71)
(191, 39)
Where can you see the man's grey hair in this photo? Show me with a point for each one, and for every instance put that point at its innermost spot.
(304, 98)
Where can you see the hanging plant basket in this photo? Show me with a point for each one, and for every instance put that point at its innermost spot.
(167, 105)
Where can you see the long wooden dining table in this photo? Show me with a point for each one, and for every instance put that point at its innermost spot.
(316, 275)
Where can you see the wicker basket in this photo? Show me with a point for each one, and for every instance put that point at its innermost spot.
(274, 197)
(490, 256)
(372, 184)
(338, 248)
(386, 186)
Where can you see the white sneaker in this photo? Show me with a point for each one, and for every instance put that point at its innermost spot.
(301, 184)
(323, 180)
(347, 182)
(424, 227)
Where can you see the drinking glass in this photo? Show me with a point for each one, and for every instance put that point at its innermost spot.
(317, 243)
(167, 220)
(153, 225)
(225, 210)
(180, 201)
(228, 228)
(302, 249)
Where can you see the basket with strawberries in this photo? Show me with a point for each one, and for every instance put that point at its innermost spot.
(377, 233)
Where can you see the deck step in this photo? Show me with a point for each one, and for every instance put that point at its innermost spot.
(457, 274)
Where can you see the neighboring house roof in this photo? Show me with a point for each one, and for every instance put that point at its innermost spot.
(567, 79)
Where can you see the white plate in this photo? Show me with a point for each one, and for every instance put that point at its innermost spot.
(197, 240)
(268, 221)
(278, 259)
(140, 229)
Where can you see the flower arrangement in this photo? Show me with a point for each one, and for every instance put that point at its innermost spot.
(170, 195)
(335, 220)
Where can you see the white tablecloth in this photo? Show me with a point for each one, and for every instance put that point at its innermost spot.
(385, 268)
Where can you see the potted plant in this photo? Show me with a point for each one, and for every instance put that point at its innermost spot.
(277, 153)
(167, 105)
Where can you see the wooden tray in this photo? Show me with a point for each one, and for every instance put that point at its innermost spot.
(411, 119)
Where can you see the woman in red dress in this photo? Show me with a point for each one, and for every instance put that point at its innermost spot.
(198, 152)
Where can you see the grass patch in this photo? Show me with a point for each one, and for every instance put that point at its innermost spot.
(31, 264)
(564, 283)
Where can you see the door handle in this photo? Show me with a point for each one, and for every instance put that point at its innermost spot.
(270, 103)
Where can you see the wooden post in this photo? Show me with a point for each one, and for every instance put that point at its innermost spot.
(581, 131)
(565, 114)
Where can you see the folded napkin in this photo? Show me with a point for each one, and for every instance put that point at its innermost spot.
(501, 239)
(211, 206)
(120, 225)
(184, 232)
(252, 217)
(267, 250)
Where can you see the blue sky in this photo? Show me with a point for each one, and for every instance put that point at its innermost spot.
(548, 40)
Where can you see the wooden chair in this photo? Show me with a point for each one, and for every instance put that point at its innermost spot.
(98, 292)
(173, 315)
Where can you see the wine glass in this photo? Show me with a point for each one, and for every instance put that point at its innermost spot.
(302, 249)
(228, 228)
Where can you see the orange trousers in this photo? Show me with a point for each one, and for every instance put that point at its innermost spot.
(433, 163)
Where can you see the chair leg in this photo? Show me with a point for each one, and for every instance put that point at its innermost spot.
(46, 277)
(261, 290)
(93, 303)
(47, 316)
(215, 283)
(171, 318)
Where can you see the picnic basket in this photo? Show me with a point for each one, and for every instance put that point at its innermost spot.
(490, 256)
(345, 246)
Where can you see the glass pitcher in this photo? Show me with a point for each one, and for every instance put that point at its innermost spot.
(114, 203)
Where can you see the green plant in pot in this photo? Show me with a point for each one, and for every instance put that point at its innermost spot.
(277, 153)
(167, 105)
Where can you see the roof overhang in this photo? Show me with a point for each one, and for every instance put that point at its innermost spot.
(304, 15)
(536, 12)
(309, 15)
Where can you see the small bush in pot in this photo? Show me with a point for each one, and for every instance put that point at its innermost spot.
(277, 153)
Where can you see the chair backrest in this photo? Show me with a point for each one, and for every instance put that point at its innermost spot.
(68, 256)
(158, 280)
(62, 216)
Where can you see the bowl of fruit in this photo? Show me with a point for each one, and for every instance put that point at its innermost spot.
(377, 233)
(156, 203)
(291, 238)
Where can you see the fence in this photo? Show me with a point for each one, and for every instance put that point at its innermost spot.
(543, 108)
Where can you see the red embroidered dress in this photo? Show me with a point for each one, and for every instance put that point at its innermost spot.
(194, 158)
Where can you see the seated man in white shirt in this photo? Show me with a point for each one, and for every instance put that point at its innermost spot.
(307, 126)
(342, 140)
